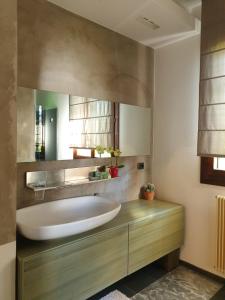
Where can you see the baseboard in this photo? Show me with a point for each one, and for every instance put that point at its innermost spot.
(207, 273)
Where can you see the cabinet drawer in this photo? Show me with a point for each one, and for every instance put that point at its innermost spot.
(153, 238)
(75, 271)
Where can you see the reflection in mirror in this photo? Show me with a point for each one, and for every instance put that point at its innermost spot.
(91, 123)
(54, 126)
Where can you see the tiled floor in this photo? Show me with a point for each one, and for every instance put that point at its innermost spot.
(220, 295)
(182, 283)
(136, 282)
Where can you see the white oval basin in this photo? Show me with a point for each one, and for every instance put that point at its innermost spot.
(65, 217)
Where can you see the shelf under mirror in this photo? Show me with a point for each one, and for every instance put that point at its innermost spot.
(48, 180)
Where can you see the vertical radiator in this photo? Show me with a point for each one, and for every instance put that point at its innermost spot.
(220, 248)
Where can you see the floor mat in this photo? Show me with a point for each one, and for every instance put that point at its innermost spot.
(115, 295)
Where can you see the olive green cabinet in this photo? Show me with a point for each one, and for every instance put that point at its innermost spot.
(153, 238)
(77, 267)
(76, 271)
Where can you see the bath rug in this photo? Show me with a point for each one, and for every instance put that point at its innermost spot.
(180, 284)
(115, 295)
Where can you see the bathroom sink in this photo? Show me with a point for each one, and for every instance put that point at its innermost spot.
(65, 217)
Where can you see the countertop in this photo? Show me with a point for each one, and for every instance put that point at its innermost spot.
(132, 211)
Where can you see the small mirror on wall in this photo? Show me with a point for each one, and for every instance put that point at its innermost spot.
(55, 126)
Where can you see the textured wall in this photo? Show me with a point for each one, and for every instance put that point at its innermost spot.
(7, 120)
(7, 148)
(60, 51)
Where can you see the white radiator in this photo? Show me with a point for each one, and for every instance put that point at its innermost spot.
(220, 246)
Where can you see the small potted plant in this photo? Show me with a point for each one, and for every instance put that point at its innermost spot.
(149, 191)
(114, 169)
(103, 172)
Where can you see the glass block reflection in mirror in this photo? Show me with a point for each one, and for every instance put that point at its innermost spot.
(55, 126)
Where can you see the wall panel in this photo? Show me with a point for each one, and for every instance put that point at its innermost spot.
(63, 52)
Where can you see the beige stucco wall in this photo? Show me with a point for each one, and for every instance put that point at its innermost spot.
(60, 51)
(176, 167)
(7, 120)
(7, 148)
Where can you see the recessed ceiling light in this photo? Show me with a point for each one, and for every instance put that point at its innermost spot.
(148, 22)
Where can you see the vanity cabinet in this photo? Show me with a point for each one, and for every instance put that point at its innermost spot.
(153, 238)
(79, 266)
(75, 271)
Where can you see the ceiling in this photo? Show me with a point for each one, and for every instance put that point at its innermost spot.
(189, 4)
(154, 23)
(193, 6)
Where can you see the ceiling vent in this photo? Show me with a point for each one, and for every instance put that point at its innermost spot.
(148, 22)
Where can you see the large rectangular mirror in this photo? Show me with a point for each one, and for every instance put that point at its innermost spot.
(54, 126)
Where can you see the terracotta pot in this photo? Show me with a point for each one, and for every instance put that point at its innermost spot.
(113, 171)
(149, 195)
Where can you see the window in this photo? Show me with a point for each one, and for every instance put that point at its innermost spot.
(219, 163)
(213, 170)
